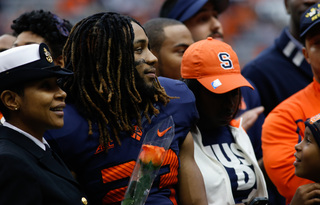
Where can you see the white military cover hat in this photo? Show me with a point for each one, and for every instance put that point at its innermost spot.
(28, 63)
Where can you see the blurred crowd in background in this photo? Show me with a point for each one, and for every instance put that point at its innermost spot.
(249, 25)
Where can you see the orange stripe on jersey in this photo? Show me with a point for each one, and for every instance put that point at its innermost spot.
(115, 195)
(137, 133)
(117, 172)
(170, 178)
(172, 196)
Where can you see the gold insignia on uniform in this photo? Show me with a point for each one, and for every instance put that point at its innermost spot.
(48, 55)
(84, 201)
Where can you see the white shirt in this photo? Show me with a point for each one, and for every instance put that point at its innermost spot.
(41, 144)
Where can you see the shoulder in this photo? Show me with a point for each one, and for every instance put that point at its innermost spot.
(74, 131)
(176, 88)
(266, 55)
(182, 107)
(284, 112)
(295, 106)
(251, 97)
(16, 158)
(268, 61)
(295, 101)
(73, 122)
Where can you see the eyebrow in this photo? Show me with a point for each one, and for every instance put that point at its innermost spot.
(140, 41)
(26, 43)
(181, 45)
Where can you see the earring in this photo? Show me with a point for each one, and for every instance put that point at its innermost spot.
(15, 108)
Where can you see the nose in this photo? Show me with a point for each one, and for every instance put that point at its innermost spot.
(215, 25)
(297, 147)
(61, 94)
(150, 58)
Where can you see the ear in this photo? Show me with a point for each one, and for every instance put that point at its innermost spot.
(306, 55)
(59, 61)
(286, 5)
(10, 99)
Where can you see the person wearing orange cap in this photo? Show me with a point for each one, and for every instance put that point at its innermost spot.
(223, 150)
(201, 18)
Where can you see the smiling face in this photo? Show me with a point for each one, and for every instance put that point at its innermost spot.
(205, 24)
(307, 155)
(40, 107)
(144, 59)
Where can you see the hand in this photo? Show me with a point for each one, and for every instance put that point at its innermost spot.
(250, 117)
(306, 194)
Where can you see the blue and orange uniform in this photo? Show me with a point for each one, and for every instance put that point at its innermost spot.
(105, 175)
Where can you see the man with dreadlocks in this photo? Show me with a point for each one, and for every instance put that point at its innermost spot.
(114, 98)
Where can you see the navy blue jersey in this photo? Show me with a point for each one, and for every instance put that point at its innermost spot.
(250, 100)
(221, 145)
(105, 176)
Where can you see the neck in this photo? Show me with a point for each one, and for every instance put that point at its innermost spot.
(36, 133)
(294, 30)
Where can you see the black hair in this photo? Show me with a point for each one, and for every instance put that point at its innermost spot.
(155, 31)
(100, 52)
(52, 28)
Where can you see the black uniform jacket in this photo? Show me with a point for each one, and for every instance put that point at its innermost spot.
(30, 175)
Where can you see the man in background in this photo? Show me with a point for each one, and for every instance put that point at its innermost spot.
(6, 41)
(281, 70)
(39, 26)
(168, 40)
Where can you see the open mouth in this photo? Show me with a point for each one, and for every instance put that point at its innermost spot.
(298, 160)
(57, 109)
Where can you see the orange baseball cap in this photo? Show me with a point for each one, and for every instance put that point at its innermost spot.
(214, 64)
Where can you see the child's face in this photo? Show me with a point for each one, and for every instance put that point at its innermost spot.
(307, 155)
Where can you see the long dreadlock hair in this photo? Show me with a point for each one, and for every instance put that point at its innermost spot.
(100, 52)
